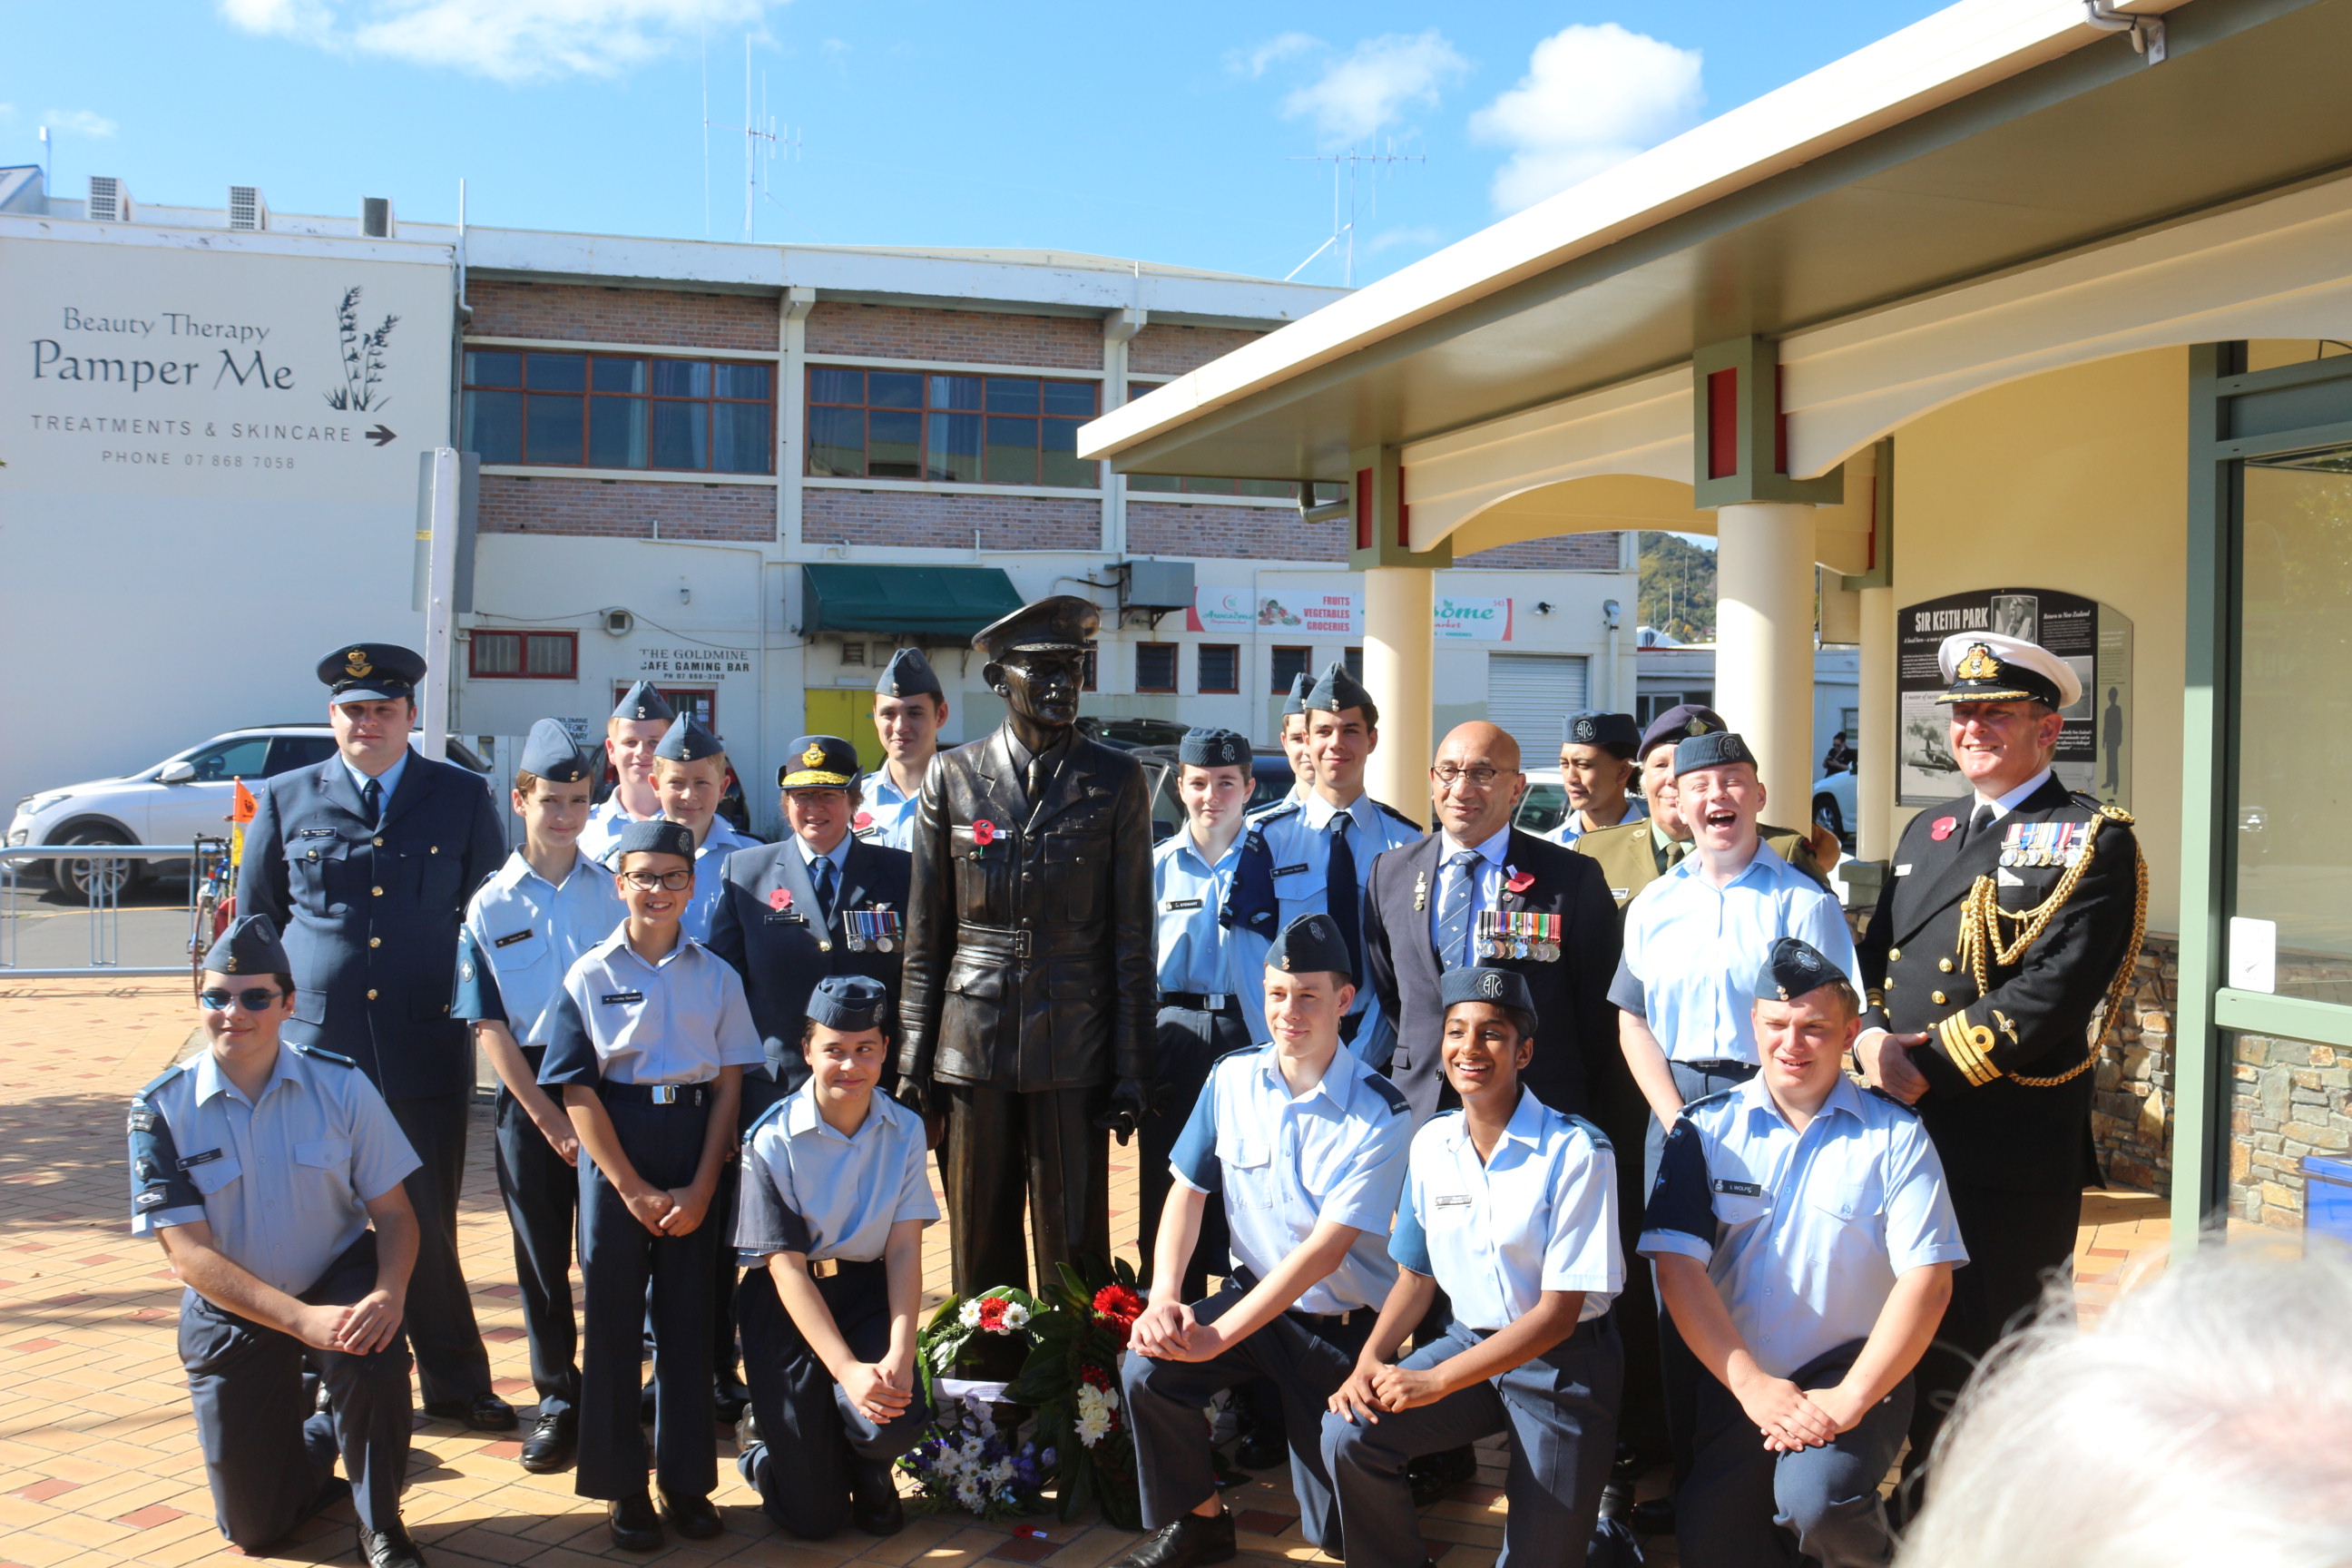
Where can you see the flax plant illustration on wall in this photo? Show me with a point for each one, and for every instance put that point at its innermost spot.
(362, 356)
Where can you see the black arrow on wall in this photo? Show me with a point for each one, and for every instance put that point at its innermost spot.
(380, 434)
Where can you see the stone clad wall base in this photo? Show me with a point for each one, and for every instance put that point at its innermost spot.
(2289, 1099)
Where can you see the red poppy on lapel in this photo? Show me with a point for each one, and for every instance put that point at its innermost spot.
(782, 898)
(1518, 881)
(862, 821)
(1942, 829)
(984, 832)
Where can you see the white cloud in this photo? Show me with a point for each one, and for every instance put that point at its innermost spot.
(511, 41)
(79, 122)
(1419, 236)
(1376, 83)
(1594, 96)
(1273, 51)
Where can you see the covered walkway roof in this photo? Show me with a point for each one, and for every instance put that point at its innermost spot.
(1993, 135)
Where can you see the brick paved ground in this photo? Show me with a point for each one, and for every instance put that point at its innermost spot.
(99, 1461)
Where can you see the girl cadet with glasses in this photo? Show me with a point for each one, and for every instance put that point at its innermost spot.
(651, 1038)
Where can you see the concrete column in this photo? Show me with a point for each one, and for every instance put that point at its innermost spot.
(1764, 645)
(1398, 611)
(792, 411)
(1119, 327)
(1874, 789)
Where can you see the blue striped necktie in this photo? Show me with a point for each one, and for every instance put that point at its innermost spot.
(1453, 907)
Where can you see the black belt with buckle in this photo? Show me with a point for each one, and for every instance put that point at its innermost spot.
(691, 1094)
(1247, 1279)
(843, 1267)
(1203, 1001)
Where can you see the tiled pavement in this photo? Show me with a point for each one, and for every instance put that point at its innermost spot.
(99, 1461)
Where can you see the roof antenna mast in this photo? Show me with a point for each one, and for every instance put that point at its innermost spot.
(1344, 234)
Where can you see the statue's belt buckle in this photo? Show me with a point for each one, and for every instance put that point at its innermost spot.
(1021, 945)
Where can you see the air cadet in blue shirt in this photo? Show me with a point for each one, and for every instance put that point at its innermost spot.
(1598, 774)
(547, 905)
(1307, 1145)
(908, 709)
(836, 1196)
(260, 1166)
(1510, 1208)
(1294, 745)
(1324, 844)
(364, 862)
(1804, 1242)
(635, 726)
(690, 776)
(651, 1038)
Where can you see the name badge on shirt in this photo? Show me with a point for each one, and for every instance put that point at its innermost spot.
(315, 833)
(189, 1162)
(1737, 1189)
(783, 918)
(1451, 1201)
(618, 997)
(1173, 905)
(513, 937)
(1290, 870)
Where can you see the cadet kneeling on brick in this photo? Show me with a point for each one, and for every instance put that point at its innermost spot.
(261, 1167)
(835, 1198)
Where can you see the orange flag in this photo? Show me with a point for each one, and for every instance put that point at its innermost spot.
(242, 811)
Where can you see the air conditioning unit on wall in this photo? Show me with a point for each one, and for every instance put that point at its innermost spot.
(247, 210)
(110, 200)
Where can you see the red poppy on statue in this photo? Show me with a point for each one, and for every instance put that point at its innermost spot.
(782, 898)
(1518, 881)
(862, 821)
(1942, 829)
(984, 832)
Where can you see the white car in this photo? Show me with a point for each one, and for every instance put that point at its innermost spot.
(186, 795)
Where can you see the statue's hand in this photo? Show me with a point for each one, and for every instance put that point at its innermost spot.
(1129, 1100)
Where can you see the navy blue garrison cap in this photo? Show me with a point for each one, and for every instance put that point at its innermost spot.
(1793, 967)
(688, 740)
(1338, 691)
(1679, 723)
(1206, 746)
(1503, 987)
(249, 947)
(362, 672)
(849, 1003)
(1591, 728)
(909, 674)
(1310, 944)
(1716, 749)
(1300, 685)
(656, 835)
(550, 752)
(642, 701)
(818, 761)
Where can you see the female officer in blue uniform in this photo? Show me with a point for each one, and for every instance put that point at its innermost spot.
(835, 1198)
(651, 1038)
(260, 1166)
(1510, 1208)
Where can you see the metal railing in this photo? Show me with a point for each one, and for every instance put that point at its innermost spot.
(100, 872)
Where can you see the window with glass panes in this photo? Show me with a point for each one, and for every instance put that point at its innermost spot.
(1155, 666)
(1289, 664)
(619, 411)
(947, 429)
(523, 656)
(1220, 666)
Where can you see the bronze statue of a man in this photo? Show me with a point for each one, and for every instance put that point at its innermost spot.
(1028, 998)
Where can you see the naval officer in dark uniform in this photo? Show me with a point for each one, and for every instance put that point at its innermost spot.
(365, 862)
(2002, 947)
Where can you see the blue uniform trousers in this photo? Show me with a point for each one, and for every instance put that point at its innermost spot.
(1190, 1039)
(267, 1450)
(1680, 1377)
(1305, 1358)
(1559, 1408)
(812, 1438)
(450, 1360)
(542, 1198)
(620, 1261)
(1746, 1507)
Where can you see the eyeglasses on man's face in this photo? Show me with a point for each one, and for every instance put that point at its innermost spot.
(261, 999)
(668, 881)
(1446, 776)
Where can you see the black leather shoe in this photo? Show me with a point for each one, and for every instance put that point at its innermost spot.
(1260, 1449)
(731, 1397)
(636, 1526)
(692, 1517)
(553, 1440)
(874, 1505)
(1654, 1517)
(484, 1413)
(747, 1430)
(1432, 1476)
(390, 1548)
(1191, 1539)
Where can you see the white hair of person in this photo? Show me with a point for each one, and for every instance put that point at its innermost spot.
(2205, 1420)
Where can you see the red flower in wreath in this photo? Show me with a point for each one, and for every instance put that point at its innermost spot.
(992, 1314)
(1118, 1306)
(1095, 1377)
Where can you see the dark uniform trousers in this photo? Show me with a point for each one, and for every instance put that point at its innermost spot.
(451, 1362)
(1190, 1039)
(1305, 1356)
(541, 1193)
(619, 1259)
(266, 1449)
(1681, 1379)
(812, 1435)
(1746, 1506)
(1560, 1410)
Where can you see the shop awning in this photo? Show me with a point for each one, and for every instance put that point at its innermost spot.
(941, 603)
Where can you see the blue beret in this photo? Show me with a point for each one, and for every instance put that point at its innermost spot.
(365, 670)
(849, 1003)
(1503, 987)
(1338, 691)
(818, 761)
(1716, 749)
(688, 740)
(249, 947)
(1063, 624)
(642, 701)
(1595, 728)
(1309, 944)
(1679, 723)
(1300, 685)
(1793, 967)
(550, 752)
(656, 835)
(909, 674)
(1206, 746)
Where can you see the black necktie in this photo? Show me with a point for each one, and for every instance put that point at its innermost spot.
(1979, 820)
(372, 798)
(1339, 878)
(824, 886)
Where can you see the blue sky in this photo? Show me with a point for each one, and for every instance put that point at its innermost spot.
(1171, 132)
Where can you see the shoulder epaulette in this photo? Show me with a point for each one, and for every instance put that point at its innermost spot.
(321, 1054)
(1398, 1104)
(161, 1078)
(1278, 809)
(1400, 817)
(2114, 813)
(1241, 1051)
(1600, 1139)
(1878, 1093)
(775, 1110)
(1689, 1106)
